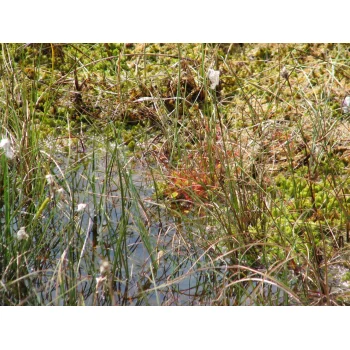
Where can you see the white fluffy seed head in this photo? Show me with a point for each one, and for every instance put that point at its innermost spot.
(214, 77)
(284, 73)
(22, 234)
(346, 105)
(81, 207)
(104, 268)
(50, 179)
(5, 144)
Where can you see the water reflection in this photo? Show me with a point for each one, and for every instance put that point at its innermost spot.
(120, 224)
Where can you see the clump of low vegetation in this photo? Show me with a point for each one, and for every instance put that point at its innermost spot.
(174, 174)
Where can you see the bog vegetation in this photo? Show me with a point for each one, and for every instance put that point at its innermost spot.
(174, 174)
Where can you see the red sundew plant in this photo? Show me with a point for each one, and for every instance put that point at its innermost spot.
(198, 180)
(187, 185)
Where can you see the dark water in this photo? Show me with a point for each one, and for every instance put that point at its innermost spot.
(151, 264)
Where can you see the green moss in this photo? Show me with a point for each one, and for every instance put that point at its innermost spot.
(131, 145)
